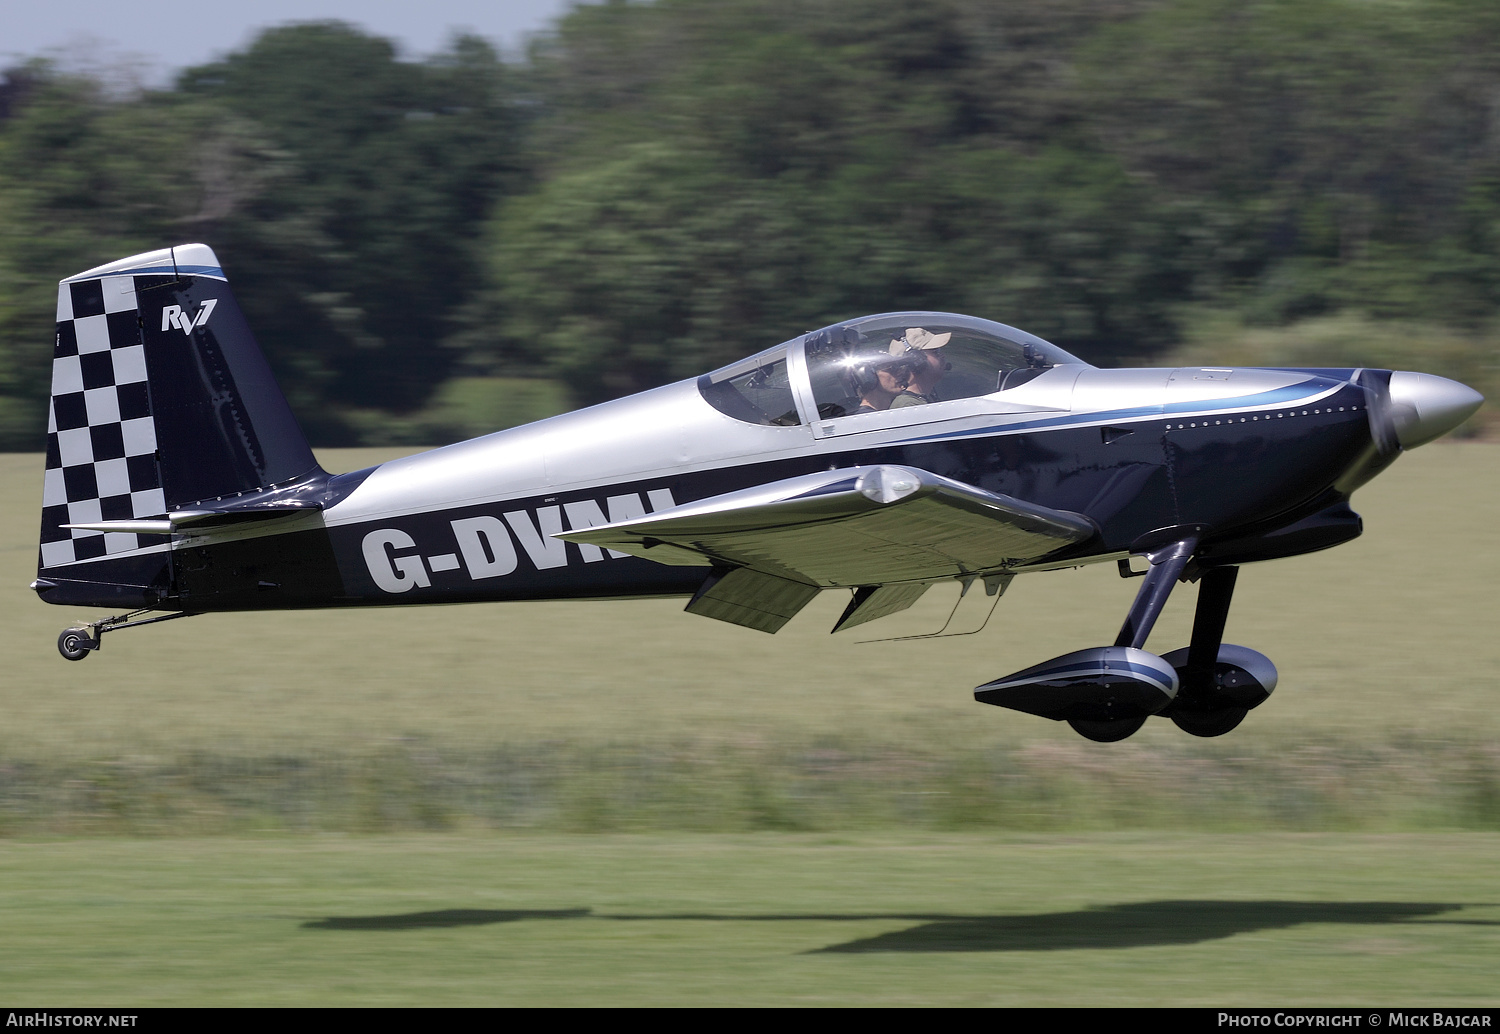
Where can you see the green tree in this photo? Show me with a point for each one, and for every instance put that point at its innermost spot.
(344, 189)
(666, 186)
(353, 268)
(716, 177)
(1340, 151)
(86, 178)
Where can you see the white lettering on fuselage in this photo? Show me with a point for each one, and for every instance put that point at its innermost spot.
(586, 514)
(485, 546)
(173, 316)
(488, 545)
(393, 573)
(544, 550)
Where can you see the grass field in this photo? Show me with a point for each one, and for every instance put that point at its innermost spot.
(767, 919)
(890, 862)
(635, 716)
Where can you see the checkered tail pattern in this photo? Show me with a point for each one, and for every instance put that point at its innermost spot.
(101, 438)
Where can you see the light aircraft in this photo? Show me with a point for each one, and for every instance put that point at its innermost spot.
(879, 456)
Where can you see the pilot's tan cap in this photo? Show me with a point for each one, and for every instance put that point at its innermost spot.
(918, 339)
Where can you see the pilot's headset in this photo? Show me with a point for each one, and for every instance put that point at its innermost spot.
(861, 371)
(861, 362)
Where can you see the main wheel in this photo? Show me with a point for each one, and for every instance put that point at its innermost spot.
(1209, 723)
(70, 644)
(1106, 731)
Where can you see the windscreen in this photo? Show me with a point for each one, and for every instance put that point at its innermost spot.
(899, 360)
(756, 390)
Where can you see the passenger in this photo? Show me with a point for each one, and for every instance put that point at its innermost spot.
(889, 384)
(924, 366)
(877, 380)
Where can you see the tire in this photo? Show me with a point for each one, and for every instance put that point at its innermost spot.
(1107, 731)
(70, 644)
(1210, 723)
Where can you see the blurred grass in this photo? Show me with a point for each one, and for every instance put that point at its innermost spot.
(791, 919)
(592, 716)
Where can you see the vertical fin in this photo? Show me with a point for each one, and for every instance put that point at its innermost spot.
(160, 399)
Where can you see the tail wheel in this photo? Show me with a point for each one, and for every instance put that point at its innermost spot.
(1210, 723)
(71, 644)
(1107, 731)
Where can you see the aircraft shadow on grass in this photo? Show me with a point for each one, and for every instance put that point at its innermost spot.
(1134, 925)
(443, 917)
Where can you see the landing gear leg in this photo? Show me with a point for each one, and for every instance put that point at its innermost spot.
(1106, 693)
(1207, 703)
(1167, 565)
(77, 643)
(1215, 592)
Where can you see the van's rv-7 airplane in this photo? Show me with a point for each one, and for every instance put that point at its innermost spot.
(880, 455)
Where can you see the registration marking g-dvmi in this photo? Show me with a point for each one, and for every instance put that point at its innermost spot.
(487, 544)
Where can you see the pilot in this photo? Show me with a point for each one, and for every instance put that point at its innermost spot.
(923, 367)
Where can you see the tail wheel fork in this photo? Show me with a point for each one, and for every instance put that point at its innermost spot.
(77, 643)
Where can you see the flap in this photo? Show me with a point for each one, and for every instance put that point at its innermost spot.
(858, 526)
(752, 599)
(872, 602)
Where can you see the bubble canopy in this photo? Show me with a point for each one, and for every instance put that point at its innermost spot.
(890, 361)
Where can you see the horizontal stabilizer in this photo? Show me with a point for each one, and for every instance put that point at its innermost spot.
(200, 521)
(860, 526)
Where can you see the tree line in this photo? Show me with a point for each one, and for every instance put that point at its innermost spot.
(433, 248)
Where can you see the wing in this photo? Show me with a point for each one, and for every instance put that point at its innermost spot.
(774, 546)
